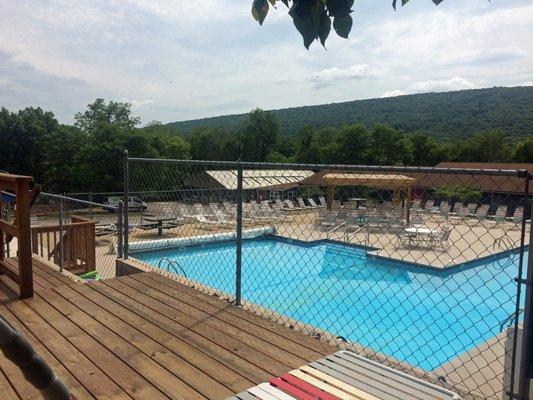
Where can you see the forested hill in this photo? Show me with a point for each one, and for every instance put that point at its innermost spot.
(456, 114)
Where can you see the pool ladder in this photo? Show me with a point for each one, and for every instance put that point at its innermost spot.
(507, 321)
(173, 266)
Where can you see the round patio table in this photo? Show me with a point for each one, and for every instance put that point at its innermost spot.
(421, 234)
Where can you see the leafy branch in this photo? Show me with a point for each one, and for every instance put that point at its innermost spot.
(314, 18)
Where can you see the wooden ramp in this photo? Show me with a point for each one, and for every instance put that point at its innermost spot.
(347, 376)
(146, 337)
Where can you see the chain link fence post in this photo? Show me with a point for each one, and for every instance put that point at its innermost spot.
(120, 229)
(125, 231)
(526, 357)
(61, 236)
(238, 269)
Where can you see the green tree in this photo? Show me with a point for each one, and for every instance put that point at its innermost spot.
(426, 150)
(352, 145)
(260, 135)
(524, 150)
(97, 113)
(389, 146)
(488, 146)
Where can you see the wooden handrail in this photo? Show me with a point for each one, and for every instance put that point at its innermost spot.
(20, 184)
(77, 239)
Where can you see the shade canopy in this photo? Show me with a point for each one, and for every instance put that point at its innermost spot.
(383, 181)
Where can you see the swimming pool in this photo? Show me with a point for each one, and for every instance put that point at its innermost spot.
(421, 316)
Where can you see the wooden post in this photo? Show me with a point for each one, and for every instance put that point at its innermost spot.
(330, 196)
(24, 238)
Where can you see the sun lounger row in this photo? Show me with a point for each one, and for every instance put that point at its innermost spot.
(471, 210)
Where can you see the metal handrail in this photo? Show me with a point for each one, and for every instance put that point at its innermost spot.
(334, 229)
(502, 241)
(348, 235)
(173, 264)
(512, 316)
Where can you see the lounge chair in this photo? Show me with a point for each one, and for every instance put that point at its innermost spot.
(518, 215)
(322, 201)
(312, 202)
(301, 203)
(326, 221)
(345, 375)
(482, 211)
(500, 214)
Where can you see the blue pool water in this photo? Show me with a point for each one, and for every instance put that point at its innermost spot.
(420, 316)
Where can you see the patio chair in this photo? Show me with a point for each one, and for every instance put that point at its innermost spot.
(417, 205)
(322, 201)
(442, 238)
(404, 238)
(428, 207)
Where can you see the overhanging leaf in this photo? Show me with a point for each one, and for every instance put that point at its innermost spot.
(343, 25)
(324, 27)
(260, 10)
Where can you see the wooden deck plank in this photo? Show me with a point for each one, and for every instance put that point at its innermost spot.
(145, 337)
(294, 336)
(294, 348)
(219, 324)
(256, 359)
(132, 370)
(85, 371)
(170, 339)
(6, 390)
(179, 367)
(231, 358)
(15, 375)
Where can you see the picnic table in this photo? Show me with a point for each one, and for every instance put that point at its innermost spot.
(160, 223)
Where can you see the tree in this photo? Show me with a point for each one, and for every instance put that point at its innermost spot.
(524, 150)
(313, 18)
(260, 135)
(353, 143)
(389, 146)
(426, 150)
(116, 113)
(488, 146)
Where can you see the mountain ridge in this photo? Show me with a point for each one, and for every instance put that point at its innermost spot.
(442, 114)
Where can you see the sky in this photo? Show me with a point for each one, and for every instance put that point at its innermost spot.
(184, 59)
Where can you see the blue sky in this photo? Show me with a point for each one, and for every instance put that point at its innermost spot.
(183, 59)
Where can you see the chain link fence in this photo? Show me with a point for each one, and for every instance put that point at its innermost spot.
(417, 268)
(78, 236)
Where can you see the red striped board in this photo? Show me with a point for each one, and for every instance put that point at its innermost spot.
(345, 376)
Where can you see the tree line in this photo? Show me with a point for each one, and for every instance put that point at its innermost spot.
(87, 156)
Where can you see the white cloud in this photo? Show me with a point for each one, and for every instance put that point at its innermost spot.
(135, 104)
(179, 59)
(353, 72)
(393, 93)
(456, 83)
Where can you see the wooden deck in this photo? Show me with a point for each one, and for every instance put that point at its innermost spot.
(146, 337)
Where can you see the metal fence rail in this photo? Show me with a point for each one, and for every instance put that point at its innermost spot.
(416, 268)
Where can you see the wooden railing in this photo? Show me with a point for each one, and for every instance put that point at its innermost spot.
(75, 251)
(20, 229)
